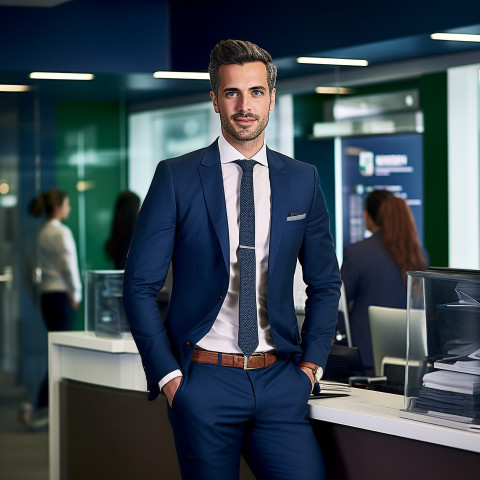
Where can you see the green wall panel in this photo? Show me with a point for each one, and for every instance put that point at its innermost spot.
(89, 168)
(433, 98)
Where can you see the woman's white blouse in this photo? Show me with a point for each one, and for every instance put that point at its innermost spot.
(58, 260)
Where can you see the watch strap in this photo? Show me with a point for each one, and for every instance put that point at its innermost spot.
(316, 369)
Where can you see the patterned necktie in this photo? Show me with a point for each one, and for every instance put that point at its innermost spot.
(247, 328)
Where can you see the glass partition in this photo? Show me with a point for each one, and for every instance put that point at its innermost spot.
(442, 381)
(52, 135)
(22, 335)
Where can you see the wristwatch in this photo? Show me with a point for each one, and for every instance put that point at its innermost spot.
(316, 369)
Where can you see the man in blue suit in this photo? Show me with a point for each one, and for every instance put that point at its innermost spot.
(224, 402)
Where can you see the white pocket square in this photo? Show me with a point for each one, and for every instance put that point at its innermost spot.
(295, 216)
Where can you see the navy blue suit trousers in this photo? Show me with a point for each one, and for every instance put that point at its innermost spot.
(220, 413)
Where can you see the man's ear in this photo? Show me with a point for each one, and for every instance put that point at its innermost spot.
(214, 101)
(272, 99)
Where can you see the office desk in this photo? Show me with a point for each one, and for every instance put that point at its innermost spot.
(363, 437)
(102, 425)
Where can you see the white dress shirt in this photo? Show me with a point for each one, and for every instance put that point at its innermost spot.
(223, 335)
(58, 260)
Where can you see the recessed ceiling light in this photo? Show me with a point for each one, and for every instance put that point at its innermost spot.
(334, 90)
(351, 62)
(14, 88)
(456, 37)
(182, 75)
(61, 76)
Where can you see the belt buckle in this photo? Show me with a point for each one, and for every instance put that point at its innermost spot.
(245, 364)
(245, 361)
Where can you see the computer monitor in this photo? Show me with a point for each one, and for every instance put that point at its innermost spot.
(388, 329)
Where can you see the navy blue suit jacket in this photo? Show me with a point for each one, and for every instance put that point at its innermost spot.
(183, 219)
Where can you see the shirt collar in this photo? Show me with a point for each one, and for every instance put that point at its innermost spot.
(229, 154)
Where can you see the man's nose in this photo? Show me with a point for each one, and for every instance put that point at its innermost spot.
(244, 104)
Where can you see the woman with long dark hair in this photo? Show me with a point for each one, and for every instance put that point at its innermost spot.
(124, 218)
(399, 235)
(374, 270)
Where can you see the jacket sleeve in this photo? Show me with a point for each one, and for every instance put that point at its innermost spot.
(146, 270)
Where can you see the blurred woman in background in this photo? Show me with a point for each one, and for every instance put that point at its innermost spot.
(60, 285)
(374, 270)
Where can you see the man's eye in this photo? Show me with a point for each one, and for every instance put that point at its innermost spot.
(231, 94)
(257, 93)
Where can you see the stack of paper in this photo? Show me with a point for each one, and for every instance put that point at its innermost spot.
(453, 382)
(462, 366)
(326, 386)
(453, 391)
(450, 403)
(331, 389)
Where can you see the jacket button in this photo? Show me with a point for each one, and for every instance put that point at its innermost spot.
(189, 343)
(220, 296)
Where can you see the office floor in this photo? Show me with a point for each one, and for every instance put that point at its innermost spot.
(23, 454)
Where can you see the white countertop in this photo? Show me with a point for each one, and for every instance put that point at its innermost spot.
(364, 409)
(379, 412)
(90, 341)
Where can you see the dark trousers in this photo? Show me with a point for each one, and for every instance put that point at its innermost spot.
(58, 315)
(218, 413)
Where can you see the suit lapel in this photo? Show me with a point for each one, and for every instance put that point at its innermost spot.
(210, 172)
(279, 191)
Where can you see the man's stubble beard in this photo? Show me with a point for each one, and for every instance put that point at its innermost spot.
(244, 134)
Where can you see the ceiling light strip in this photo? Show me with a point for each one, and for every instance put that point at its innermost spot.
(61, 76)
(182, 75)
(351, 62)
(456, 37)
(14, 88)
(334, 90)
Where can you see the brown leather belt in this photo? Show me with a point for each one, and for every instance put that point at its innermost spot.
(235, 360)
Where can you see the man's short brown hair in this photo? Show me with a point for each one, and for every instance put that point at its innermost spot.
(238, 52)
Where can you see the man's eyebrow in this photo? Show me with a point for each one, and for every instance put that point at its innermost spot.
(234, 89)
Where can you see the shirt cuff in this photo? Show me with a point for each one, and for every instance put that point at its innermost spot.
(168, 377)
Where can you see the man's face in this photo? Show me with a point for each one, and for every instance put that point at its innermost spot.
(243, 101)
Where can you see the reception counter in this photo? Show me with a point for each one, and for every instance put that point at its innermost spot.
(101, 425)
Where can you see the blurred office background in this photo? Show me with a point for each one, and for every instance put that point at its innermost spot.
(407, 121)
